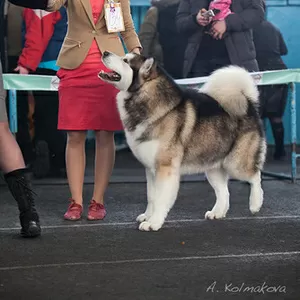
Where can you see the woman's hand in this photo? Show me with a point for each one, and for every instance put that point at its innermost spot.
(21, 70)
(136, 51)
(203, 21)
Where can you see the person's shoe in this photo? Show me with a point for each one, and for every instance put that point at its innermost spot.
(19, 186)
(41, 165)
(96, 211)
(74, 211)
(31, 228)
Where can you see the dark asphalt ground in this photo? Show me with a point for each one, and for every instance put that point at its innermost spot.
(241, 257)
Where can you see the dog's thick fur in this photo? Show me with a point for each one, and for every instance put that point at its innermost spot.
(174, 131)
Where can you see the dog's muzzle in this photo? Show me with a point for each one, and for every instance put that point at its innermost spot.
(110, 76)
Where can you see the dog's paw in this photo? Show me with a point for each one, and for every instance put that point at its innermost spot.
(255, 207)
(141, 218)
(148, 226)
(214, 214)
(256, 202)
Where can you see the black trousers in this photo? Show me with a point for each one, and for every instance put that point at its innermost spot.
(46, 119)
(202, 68)
(273, 98)
(45, 122)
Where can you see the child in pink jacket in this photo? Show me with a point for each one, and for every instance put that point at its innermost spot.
(223, 6)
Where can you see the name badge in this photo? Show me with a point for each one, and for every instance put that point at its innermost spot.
(114, 17)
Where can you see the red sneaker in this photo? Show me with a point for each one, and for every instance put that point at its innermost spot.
(74, 211)
(96, 211)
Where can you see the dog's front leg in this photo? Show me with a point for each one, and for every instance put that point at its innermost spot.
(150, 197)
(166, 186)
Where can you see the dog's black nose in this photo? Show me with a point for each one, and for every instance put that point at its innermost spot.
(105, 54)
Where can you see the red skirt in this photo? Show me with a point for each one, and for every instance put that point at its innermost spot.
(85, 101)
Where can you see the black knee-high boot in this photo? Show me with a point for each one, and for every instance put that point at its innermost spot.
(278, 133)
(19, 185)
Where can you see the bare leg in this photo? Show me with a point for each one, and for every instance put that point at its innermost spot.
(10, 154)
(218, 179)
(75, 163)
(150, 197)
(104, 163)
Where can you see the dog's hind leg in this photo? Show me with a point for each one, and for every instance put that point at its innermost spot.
(245, 163)
(218, 179)
(256, 193)
(254, 179)
(150, 197)
(166, 186)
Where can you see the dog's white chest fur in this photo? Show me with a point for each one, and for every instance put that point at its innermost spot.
(146, 151)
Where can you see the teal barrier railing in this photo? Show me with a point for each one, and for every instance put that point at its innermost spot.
(14, 82)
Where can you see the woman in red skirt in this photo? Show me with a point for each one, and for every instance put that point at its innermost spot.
(86, 102)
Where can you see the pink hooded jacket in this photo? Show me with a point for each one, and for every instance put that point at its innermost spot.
(223, 6)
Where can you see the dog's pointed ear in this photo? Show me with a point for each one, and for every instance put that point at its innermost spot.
(148, 64)
(147, 67)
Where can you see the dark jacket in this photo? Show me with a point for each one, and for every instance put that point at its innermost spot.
(34, 4)
(270, 46)
(160, 38)
(238, 39)
(59, 33)
(172, 42)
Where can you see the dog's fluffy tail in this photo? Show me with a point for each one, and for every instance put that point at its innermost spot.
(233, 87)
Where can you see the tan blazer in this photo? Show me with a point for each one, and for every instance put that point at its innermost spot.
(82, 31)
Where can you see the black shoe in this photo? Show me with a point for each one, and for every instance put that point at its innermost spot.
(19, 186)
(41, 165)
(30, 229)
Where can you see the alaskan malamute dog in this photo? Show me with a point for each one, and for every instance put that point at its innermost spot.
(174, 131)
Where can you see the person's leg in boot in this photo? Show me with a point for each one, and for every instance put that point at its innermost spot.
(278, 134)
(104, 163)
(13, 166)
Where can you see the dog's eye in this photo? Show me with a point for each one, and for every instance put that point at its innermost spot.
(125, 60)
